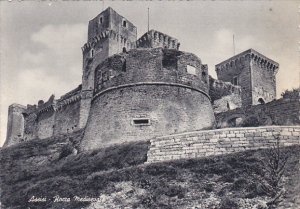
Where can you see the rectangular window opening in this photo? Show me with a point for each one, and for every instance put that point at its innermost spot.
(191, 70)
(141, 121)
(235, 81)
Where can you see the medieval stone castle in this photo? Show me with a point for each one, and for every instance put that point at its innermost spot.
(138, 89)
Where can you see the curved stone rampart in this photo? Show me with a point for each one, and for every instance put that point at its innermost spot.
(161, 109)
(151, 65)
(146, 93)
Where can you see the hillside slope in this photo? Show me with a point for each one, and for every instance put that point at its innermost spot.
(118, 177)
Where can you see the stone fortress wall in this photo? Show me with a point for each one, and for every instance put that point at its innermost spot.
(254, 72)
(137, 89)
(145, 93)
(46, 119)
(283, 111)
(218, 142)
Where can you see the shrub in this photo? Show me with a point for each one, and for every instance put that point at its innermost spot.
(228, 203)
(251, 122)
(272, 181)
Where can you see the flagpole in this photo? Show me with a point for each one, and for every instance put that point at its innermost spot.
(233, 45)
(148, 19)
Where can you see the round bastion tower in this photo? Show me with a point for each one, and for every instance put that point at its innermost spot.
(140, 88)
(146, 93)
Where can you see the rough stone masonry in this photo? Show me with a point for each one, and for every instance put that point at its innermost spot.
(137, 89)
(219, 142)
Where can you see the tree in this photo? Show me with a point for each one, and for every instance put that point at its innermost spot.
(272, 181)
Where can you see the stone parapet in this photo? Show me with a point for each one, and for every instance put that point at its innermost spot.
(154, 39)
(221, 141)
(250, 54)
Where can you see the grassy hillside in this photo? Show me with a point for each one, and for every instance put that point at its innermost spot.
(119, 177)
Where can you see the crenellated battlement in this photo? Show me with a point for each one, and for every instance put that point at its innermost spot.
(154, 39)
(252, 55)
(166, 66)
(61, 103)
(139, 89)
(219, 89)
(113, 35)
(254, 72)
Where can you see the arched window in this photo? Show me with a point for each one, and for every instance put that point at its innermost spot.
(235, 81)
(124, 23)
(101, 20)
(261, 101)
(92, 53)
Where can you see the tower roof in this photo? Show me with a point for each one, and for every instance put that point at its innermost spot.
(253, 55)
(109, 19)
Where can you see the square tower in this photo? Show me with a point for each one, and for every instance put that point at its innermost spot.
(108, 33)
(254, 72)
(154, 39)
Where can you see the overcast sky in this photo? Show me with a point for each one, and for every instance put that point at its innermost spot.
(40, 42)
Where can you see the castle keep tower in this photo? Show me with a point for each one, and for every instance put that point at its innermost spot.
(109, 33)
(254, 72)
(15, 124)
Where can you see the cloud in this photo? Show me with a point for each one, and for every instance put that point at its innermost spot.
(53, 64)
(221, 47)
(61, 39)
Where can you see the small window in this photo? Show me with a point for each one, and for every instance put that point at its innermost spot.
(261, 101)
(235, 81)
(204, 76)
(191, 70)
(92, 53)
(141, 121)
(101, 20)
(124, 23)
(124, 66)
(104, 76)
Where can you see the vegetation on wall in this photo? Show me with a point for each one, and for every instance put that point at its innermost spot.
(117, 176)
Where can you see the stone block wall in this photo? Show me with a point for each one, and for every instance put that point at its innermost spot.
(45, 124)
(219, 89)
(154, 39)
(151, 65)
(284, 111)
(165, 88)
(55, 117)
(167, 108)
(218, 142)
(263, 83)
(15, 124)
(67, 118)
(108, 34)
(226, 103)
(254, 72)
(241, 69)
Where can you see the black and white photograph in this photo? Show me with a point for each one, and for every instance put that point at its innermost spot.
(149, 104)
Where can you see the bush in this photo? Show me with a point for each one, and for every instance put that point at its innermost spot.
(294, 93)
(228, 203)
(251, 122)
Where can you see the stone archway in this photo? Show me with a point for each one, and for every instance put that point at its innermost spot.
(235, 120)
(261, 101)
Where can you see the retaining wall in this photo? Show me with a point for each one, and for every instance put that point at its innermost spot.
(281, 112)
(220, 141)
